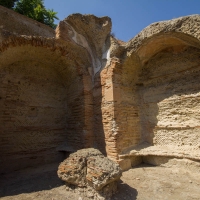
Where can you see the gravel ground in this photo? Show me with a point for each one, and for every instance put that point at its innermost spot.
(145, 182)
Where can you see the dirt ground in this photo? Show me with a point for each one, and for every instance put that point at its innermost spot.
(144, 182)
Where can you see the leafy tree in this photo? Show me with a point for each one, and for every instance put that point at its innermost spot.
(7, 3)
(36, 10)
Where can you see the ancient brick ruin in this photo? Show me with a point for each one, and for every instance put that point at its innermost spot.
(80, 87)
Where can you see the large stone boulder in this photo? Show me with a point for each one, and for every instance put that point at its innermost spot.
(89, 168)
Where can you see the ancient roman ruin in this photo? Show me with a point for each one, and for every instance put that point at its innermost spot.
(79, 87)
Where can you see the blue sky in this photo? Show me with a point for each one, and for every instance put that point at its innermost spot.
(129, 17)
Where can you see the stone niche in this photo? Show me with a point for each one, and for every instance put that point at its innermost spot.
(169, 106)
(149, 90)
(33, 110)
(156, 90)
(36, 107)
(169, 98)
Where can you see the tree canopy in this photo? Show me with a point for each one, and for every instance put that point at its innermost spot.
(34, 9)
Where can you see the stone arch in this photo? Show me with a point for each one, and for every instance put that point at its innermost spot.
(169, 72)
(164, 54)
(42, 102)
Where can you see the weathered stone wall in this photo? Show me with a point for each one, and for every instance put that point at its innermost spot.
(119, 110)
(33, 113)
(93, 35)
(12, 23)
(107, 110)
(46, 100)
(99, 137)
(85, 88)
(42, 101)
(41, 107)
(169, 98)
(155, 90)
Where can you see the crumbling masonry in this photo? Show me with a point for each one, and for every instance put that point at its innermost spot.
(80, 87)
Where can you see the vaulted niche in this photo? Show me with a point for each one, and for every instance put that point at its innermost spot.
(170, 98)
(158, 112)
(33, 107)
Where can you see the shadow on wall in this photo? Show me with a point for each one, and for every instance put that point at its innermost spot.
(40, 109)
(33, 107)
(43, 106)
(98, 119)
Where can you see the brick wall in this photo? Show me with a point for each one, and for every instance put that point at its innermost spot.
(120, 111)
(43, 107)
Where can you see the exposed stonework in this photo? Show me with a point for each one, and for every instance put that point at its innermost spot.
(38, 105)
(88, 168)
(12, 23)
(90, 32)
(180, 28)
(84, 88)
(155, 92)
(42, 100)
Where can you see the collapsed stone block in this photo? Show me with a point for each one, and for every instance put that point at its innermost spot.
(91, 172)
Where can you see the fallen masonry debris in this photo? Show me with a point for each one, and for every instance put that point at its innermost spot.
(91, 173)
